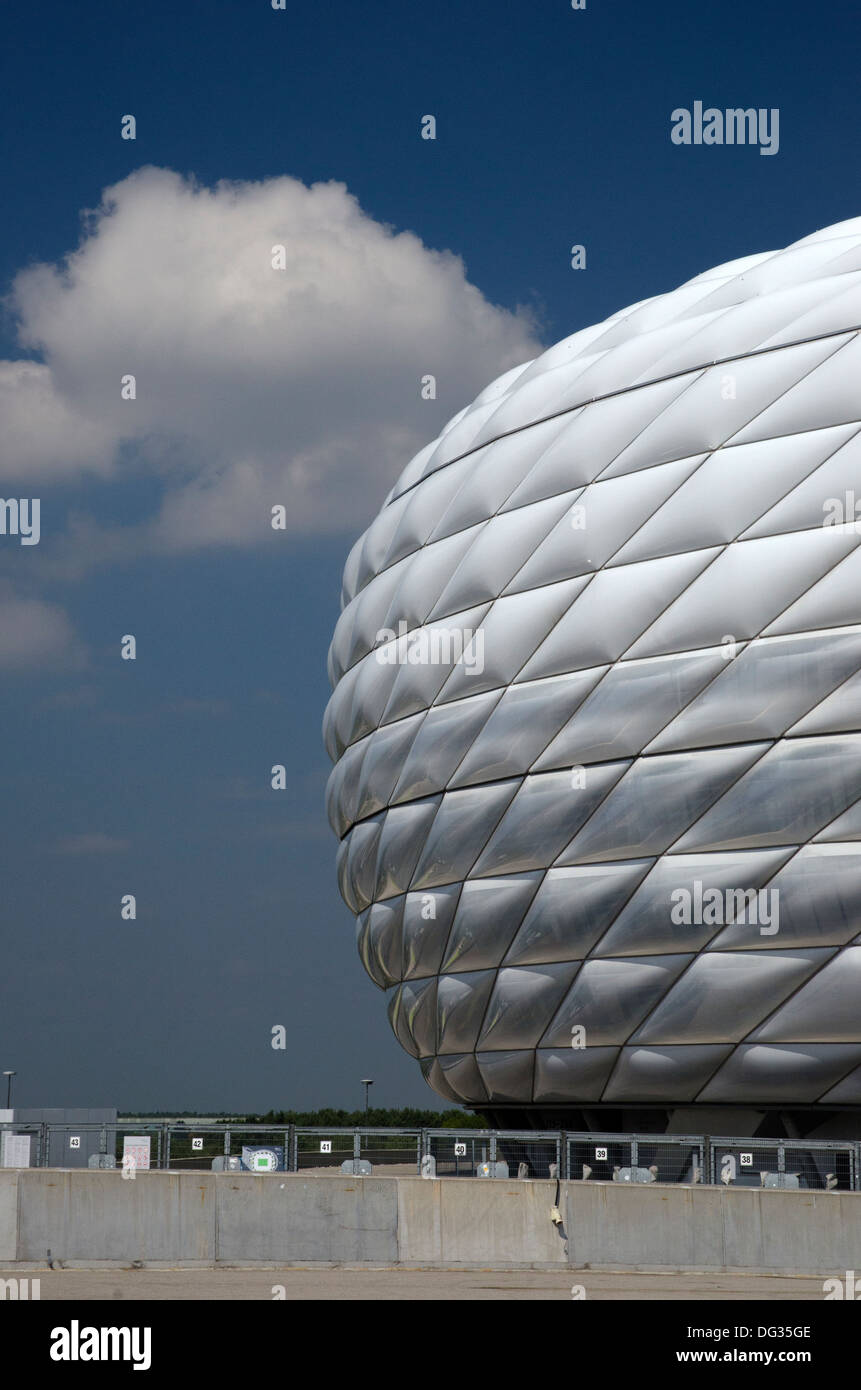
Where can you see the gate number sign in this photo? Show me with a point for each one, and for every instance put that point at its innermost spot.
(325, 1146)
(197, 1143)
(600, 1153)
(460, 1150)
(746, 1160)
(74, 1141)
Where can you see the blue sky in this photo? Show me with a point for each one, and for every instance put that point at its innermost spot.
(152, 777)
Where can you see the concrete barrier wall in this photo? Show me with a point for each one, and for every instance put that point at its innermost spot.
(90, 1216)
(8, 1214)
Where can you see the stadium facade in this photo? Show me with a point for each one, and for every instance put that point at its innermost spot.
(596, 719)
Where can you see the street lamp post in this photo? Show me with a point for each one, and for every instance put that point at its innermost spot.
(8, 1075)
(367, 1083)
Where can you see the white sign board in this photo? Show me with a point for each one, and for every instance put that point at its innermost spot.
(460, 1150)
(197, 1143)
(746, 1160)
(600, 1154)
(136, 1147)
(15, 1151)
(74, 1141)
(325, 1146)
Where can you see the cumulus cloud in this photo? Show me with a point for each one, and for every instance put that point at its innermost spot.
(35, 635)
(255, 386)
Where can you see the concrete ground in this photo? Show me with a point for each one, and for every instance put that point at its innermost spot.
(449, 1285)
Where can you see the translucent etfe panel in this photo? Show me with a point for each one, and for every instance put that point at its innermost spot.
(412, 1013)
(609, 997)
(499, 549)
(404, 833)
(846, 1092)
(833, 602)
(494, 471)
(826, 396)
(598, 521)
(837, 465)
(423, 578)
(507, 638)
(714, 409)
(687, 900)
(342, 789)
(380, 946)
(368, 694)
(426, 504)
(463, 825)
(461, 1002)
(613, 609)
(630, 704)
(427, 920)
(813, 900)
(845, 827)
(572, 1074)
(571, 910)
(461, 1074)
(824, 1010)
(663, 1073)
(626, 825)
(377, 541)
(369, 961)
(337, 716)
(548, 809)
(794, 791)
(371, 607)
(526, 409)
(748, 585)
(422, 661)
(489, 912)
(724, 994)
(349, 584)
(596, 435)
(405, 1009)
(839, 712)
(723, 496)
(796, 1075)
(523, 1001)
(718, 331)
(412, 473)
(383, 762)
(447, 733)
(765, 689)
(521, 726)
(507, 1075)
(435, 1078)
(359, 868)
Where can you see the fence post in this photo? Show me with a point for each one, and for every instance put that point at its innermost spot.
(43, 1139)
(493, 1152)
(165, 1152)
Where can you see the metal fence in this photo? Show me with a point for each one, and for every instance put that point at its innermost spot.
(787, 1163)
(178, 1146)
(636, 1158)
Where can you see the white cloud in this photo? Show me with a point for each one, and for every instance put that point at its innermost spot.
(35, 635)
(254, 386)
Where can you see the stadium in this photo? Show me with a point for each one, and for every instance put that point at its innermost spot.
(596, 720)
